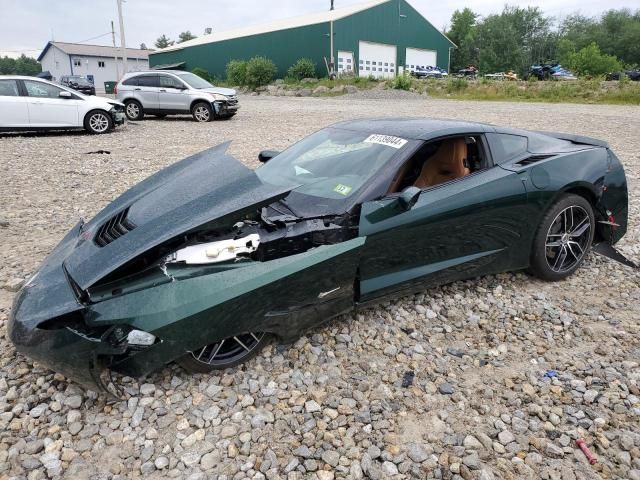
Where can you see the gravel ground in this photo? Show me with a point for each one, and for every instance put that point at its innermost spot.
(332, 405)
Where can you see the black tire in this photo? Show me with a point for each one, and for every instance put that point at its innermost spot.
(98, 122)
(563, 238)
(133, 109)
(202, 112)
(192, 364)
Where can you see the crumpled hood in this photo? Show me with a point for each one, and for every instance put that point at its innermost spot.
(221, 90)
(209, 187)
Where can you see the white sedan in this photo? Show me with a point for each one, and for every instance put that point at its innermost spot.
(29, 103)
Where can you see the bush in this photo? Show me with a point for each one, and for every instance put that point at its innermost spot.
(260, 71)
(303, 68)
(237, 72)
(456, 85)
(591, 61)
(202, 73)
(402, 82)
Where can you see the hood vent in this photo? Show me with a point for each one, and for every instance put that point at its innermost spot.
(114, 228)
(533, 159)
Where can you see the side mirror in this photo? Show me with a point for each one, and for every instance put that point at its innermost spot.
(65, 94)
(266, 155)
(409, 197)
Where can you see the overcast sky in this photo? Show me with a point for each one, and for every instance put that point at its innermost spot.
(26, 25)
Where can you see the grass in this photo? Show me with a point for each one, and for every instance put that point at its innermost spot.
(580, 91)
(585, 91)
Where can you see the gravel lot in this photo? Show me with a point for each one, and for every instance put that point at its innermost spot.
(332, 405)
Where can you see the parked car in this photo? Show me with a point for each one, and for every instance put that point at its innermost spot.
(633, 75)
(470, 72)
(29, 103)
(550, 72)
(429, 72)
(79, 83)
(167, 92)
(207, 259)
(508, 75)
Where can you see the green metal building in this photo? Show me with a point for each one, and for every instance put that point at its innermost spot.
(377, 38)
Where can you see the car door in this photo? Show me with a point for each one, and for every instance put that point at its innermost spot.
(48, 109)
(470, 226)
(172, 94)
(14, 111)
(147, 91)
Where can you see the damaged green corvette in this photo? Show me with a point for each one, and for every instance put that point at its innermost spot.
(205, 261)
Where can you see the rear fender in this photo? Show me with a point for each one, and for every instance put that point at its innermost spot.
(613, 203)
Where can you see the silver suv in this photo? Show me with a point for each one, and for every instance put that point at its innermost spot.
(166, 92)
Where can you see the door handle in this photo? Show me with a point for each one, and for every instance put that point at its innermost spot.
(163, 90)
(137, 89)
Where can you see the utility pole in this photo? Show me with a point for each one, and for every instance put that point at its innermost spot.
(331, 60)
(115, 51)
(123, 44)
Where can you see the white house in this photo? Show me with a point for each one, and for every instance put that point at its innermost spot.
(94, 61)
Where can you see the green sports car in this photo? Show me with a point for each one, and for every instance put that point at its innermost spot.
(205, 261)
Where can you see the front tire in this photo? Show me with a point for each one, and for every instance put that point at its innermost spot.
(133, 109)
(98, 122)
(563, 238)
(227, 353)
(202, 112)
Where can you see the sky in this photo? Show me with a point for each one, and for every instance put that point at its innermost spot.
(27, 25)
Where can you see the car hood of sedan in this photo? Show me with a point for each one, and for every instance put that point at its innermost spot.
(209, 188)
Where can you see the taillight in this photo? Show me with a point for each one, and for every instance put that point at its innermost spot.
(115, 89)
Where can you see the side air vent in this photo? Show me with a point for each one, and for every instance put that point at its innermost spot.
(114, 228)
(533, 159)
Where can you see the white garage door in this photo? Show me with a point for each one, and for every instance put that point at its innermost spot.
(417, 57)
(377, 59)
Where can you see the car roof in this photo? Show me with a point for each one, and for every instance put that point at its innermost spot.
(421, 128)
(144, 72)
(22, 77)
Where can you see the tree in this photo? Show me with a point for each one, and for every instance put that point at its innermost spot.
(22, 65)
(186, 36)
(143, 46)
(591, 61)
(462, 34)
(164, 42)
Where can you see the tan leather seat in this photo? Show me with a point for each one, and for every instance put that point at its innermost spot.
(445, 165)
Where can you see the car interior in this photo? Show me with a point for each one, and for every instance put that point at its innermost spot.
(439, 162)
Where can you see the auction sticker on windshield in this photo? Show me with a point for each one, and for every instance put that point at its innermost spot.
(343, 189)
(387, 140)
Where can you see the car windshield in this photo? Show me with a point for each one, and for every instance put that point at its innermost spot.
(331, 164)
(194, 81)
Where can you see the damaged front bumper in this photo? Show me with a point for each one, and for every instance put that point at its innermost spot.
(226, 108)
(117, 115)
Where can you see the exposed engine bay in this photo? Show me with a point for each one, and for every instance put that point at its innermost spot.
(274, 232)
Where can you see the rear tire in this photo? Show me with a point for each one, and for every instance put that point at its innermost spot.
(563, 238)
(227, 353)
(202, 112)
(133, 109)
(98, 122)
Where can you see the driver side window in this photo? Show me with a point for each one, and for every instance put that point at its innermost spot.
(41, 90)
(441, 161)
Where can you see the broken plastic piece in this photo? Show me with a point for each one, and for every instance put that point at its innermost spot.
(550, 374)
(587, 453)
(611, 252)
(214, 252)
(407, 379)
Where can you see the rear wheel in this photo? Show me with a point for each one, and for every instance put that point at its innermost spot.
(98, 121)
(133, 109)
(563, 238)
(202, 112)
(226, 353)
